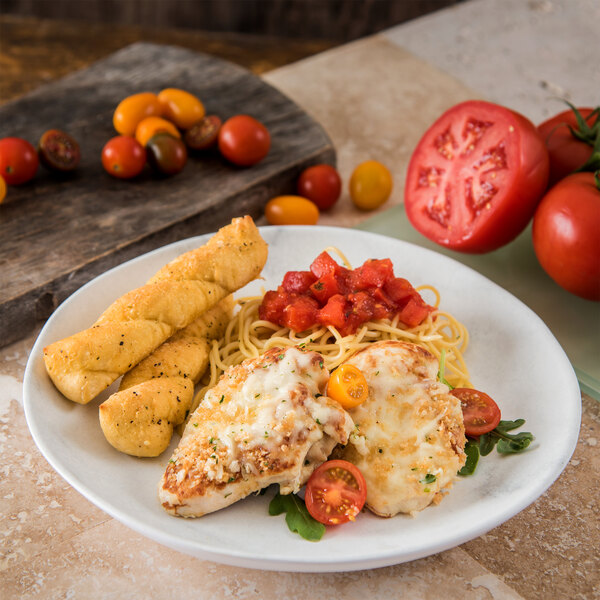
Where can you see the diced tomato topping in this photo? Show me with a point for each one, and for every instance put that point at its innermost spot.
(415, 312)
(324, 264)
(325, 287)
(301, 313)
(399, 291)
(298, 282)
(335, 312)
(273, 304)
(373, 274)
(363, 305)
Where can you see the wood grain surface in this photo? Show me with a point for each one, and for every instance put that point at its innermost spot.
(58, 233)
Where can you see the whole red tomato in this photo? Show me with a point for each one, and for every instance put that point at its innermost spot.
(123, 157)
(570, 137)
(321, 184)
(566, 234)
(244, 141)
(18, 160)
(476, 177)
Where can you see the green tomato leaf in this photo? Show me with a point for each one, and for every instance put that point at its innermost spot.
(297, 517)
(472, 452)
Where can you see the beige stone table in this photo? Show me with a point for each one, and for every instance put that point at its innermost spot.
(55, 544)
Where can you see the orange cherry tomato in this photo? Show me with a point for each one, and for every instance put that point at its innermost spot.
(181, 107)
(370, 185)
(149, 127)
(134, 109)
(335, 492)
(348, 386)
(291, 210)
(2, 189)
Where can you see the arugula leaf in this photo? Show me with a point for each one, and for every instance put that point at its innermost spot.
(505, 426)
(297, 517)
(472, 452)
(486, 443)
(511, 444)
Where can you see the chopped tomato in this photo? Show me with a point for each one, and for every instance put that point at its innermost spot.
(301, 313)
(335, 492)
(298, 282)
(374, 273)
(414, 312)
(334, 312)
(363, 305)
(273, 304)
(326, 286)
(324, 264)
(399, 290)
(480, 413)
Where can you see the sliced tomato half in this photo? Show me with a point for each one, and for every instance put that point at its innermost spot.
(480, 413)
(476, 177)
(335, 492)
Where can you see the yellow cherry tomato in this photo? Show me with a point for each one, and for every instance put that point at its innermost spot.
(370, 185)
(181, 107)
(134, 109)
(348, 386)
(291, 210)
(153, 125)
(2, 189)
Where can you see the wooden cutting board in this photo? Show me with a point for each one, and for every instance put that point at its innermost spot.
(58, 233)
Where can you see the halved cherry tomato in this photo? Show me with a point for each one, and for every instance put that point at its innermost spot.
(2, 189)
(569, 145)
(321, 184)
(476, 177)
(149, 127)
(480, 413)
(123, 157)
(291, 210)
(566, 234)
(181, 107)
(348, 386)
(18, 160)
(203, 134)
(133, 109)
(59, 151)
(335, 492)
(370, 185)
(244, 141)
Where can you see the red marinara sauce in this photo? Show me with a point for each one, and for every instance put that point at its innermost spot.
(330, 294)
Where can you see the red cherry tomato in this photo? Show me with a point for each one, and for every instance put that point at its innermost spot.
(476, 177)
(321, 184)
(566, 234)
(123, 157)
(244, 141)
(18, 160)
(335, 492)
(480, 413)
(567, 151)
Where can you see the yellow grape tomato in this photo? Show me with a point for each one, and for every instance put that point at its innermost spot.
(370, 185)
(149, 127)
(291, 210)
(181, 107)
(133, 109)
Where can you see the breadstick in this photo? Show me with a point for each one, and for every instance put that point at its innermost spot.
(83, 365)
(156, 395)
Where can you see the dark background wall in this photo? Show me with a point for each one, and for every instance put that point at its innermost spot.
(336, 20)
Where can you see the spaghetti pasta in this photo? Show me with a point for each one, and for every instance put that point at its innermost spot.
(247, 336)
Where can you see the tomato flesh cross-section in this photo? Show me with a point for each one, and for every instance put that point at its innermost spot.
(475, 177)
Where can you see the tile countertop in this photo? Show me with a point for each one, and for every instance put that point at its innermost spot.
(55, 544)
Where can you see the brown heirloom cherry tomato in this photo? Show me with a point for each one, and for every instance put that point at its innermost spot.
(123, 157)
(203, 135)
(480, 413)
(59, 151)
(151, 126)
(18, 160)
(134, 109)
(244, 141)
(336, 492)
(321, 184)
(181, 107)
(291, 210)
(166, 154)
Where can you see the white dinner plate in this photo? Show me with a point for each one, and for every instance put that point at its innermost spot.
(512, 356)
